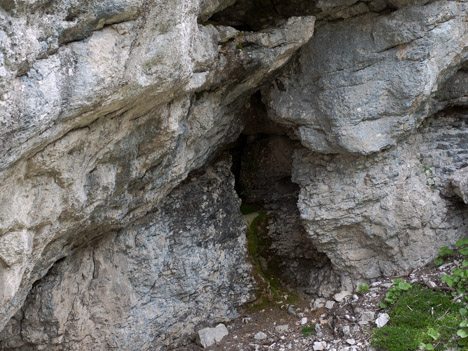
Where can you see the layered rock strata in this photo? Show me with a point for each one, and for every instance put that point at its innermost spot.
(384, 214)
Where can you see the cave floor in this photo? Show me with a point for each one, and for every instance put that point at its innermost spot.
(339, 328)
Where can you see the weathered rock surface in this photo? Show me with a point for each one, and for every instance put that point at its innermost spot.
(105, 108)
(460, 184)
(386, 213)
(148, 286)
(364, 83)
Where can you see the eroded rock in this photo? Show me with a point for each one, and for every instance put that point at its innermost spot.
(149, 286)
(362, 84)
(104, 109)
(385, 214)
(460, 184)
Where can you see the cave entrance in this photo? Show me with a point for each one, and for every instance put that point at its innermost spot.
(282, 251)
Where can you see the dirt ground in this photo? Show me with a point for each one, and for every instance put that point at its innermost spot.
(345, 326)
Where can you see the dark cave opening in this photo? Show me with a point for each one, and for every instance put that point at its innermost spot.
(263, 164)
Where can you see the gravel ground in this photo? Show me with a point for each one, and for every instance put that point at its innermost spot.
(339, 323)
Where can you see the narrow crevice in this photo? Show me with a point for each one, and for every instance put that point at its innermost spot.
(262, 165)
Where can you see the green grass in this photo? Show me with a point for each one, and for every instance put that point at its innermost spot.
(308, 331)
(420, 316)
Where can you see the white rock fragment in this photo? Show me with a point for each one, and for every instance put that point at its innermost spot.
(210, 336)
(351, 341)
(341, 295)
(382, 319)
(329, 305)
(366, 317)
(346, 330)
(318, 303)
(303, 320)
(319, 345)
(282, 328)
(260, 336)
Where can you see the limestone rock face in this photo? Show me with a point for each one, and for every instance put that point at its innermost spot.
(363, 83)
(359, 153)
(460, 184)
(386, 213)
(150, 285)
(105, 107)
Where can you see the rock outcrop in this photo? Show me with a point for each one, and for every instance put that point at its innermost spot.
(150, 285)
(357, 149)
(105, 109)
(385, 214)
(362, 84)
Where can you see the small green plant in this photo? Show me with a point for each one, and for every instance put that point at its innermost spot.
(395, 291)
(362, 289)
(240, 47)
(462, 332)
(458, 280)
(308, 331)
(443, 254)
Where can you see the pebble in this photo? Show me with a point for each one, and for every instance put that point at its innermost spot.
(319, 345)
(346, 330)
(351, 341)
(260, 336)
(210, 336)
(329, 305)
(303, 320)
(341, 295)
(382, 319)
(318, 303)
(282, 328)
(291, 310)
(366, 317)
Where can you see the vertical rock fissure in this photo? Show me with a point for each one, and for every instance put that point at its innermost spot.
(262, 164)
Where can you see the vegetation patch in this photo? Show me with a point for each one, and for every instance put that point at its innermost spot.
(362, 289)
(308, 331)
(270, 290)
(428, 319)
